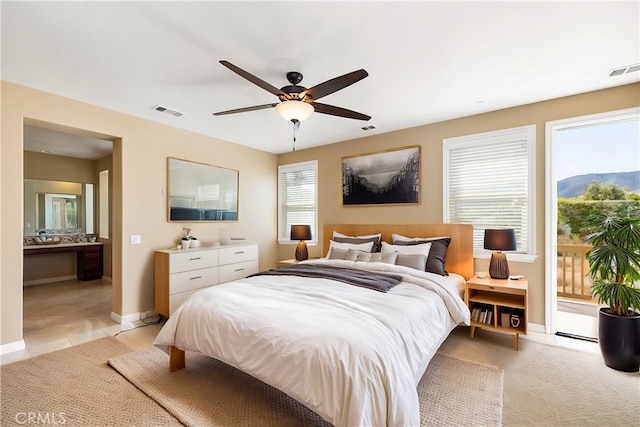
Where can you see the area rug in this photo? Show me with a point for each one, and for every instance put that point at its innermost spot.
(207, 392)
(75, 387)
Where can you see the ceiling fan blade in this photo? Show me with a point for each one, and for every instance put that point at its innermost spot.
(338, 111)
(244, 110)
(253, 79)
(335, 84)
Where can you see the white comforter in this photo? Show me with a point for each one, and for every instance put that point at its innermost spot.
(349, 353)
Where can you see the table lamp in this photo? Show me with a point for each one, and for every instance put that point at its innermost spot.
(498, 241)
(301, 233)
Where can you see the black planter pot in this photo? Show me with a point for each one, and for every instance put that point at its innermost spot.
(619, 340)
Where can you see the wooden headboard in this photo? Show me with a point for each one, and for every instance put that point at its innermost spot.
(460, 253)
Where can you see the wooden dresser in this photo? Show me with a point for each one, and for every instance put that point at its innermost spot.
(180, 273)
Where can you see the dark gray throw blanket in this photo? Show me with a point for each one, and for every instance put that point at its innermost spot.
(381, 282)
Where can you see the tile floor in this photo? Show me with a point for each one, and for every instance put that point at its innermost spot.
(62, 314)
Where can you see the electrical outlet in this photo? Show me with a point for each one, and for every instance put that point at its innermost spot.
(136, 239)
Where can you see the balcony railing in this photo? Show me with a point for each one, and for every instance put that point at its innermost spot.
(574, 281)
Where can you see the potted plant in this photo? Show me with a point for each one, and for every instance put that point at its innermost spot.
(185, 242)
(614, 265)
(194, 242)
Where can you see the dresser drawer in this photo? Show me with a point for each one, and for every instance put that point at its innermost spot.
(503, 289)
(238, 270)
(94, 249)
(179, 274)
(193, 260)
(236, 254)
(195, 279)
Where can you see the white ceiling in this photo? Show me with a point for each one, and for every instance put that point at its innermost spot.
(65, 144)
(427, 61)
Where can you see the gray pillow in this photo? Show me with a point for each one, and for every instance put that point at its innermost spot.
(437, 253)
(416, 261)
(359, 240)
(336, 253)
(387, 258)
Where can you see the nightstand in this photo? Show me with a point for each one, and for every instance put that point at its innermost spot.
(499, 305)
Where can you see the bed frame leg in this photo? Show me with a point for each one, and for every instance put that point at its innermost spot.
(176, 359)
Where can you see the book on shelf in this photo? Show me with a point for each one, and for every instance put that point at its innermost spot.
(489, 319)
(475, 314)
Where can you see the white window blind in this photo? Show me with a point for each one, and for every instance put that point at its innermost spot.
(488, 182)
(297, 198)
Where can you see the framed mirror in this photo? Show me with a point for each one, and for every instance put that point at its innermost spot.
(201, 192)
(57, 205)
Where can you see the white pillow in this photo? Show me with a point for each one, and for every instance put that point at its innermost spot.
(369, 236)
(401, 238)
(421, 249)
(363, 247)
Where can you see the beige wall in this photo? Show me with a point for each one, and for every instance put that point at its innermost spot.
(430, 137)
(139, 181)
(138, 203)
(58, 168)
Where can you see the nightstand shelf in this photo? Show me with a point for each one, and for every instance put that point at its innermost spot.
(498, 299)
(499, 305)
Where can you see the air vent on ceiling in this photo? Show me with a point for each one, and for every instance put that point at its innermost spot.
(624, 70)
(166, 110)
(366, 128)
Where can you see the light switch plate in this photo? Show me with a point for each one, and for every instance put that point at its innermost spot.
(136, 239)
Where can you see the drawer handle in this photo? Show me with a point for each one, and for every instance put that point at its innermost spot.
(238, 253)
(197, 277)
(194, 259)
(491, 287)
(239, 269)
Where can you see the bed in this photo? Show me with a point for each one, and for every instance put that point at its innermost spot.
(352, 354)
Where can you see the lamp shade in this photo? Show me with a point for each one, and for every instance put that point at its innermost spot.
(500, 240)
(301, 232)
(294, 110)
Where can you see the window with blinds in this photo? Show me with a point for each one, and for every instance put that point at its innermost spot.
(488, 182)
(297, 198)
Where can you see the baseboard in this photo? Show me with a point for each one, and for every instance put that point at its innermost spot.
(11, 347)
(536, 327)
(49, 280)
(133, 317)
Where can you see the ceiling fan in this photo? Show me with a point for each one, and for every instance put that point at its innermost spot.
(297, 102)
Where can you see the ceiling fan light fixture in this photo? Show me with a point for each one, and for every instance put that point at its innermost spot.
(294, 110)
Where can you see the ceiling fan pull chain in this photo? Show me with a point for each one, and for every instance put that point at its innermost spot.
(296, 126)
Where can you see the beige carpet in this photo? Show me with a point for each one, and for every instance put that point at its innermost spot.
(552, 386)
(75, 387)
(452, 392)
(543, 385)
